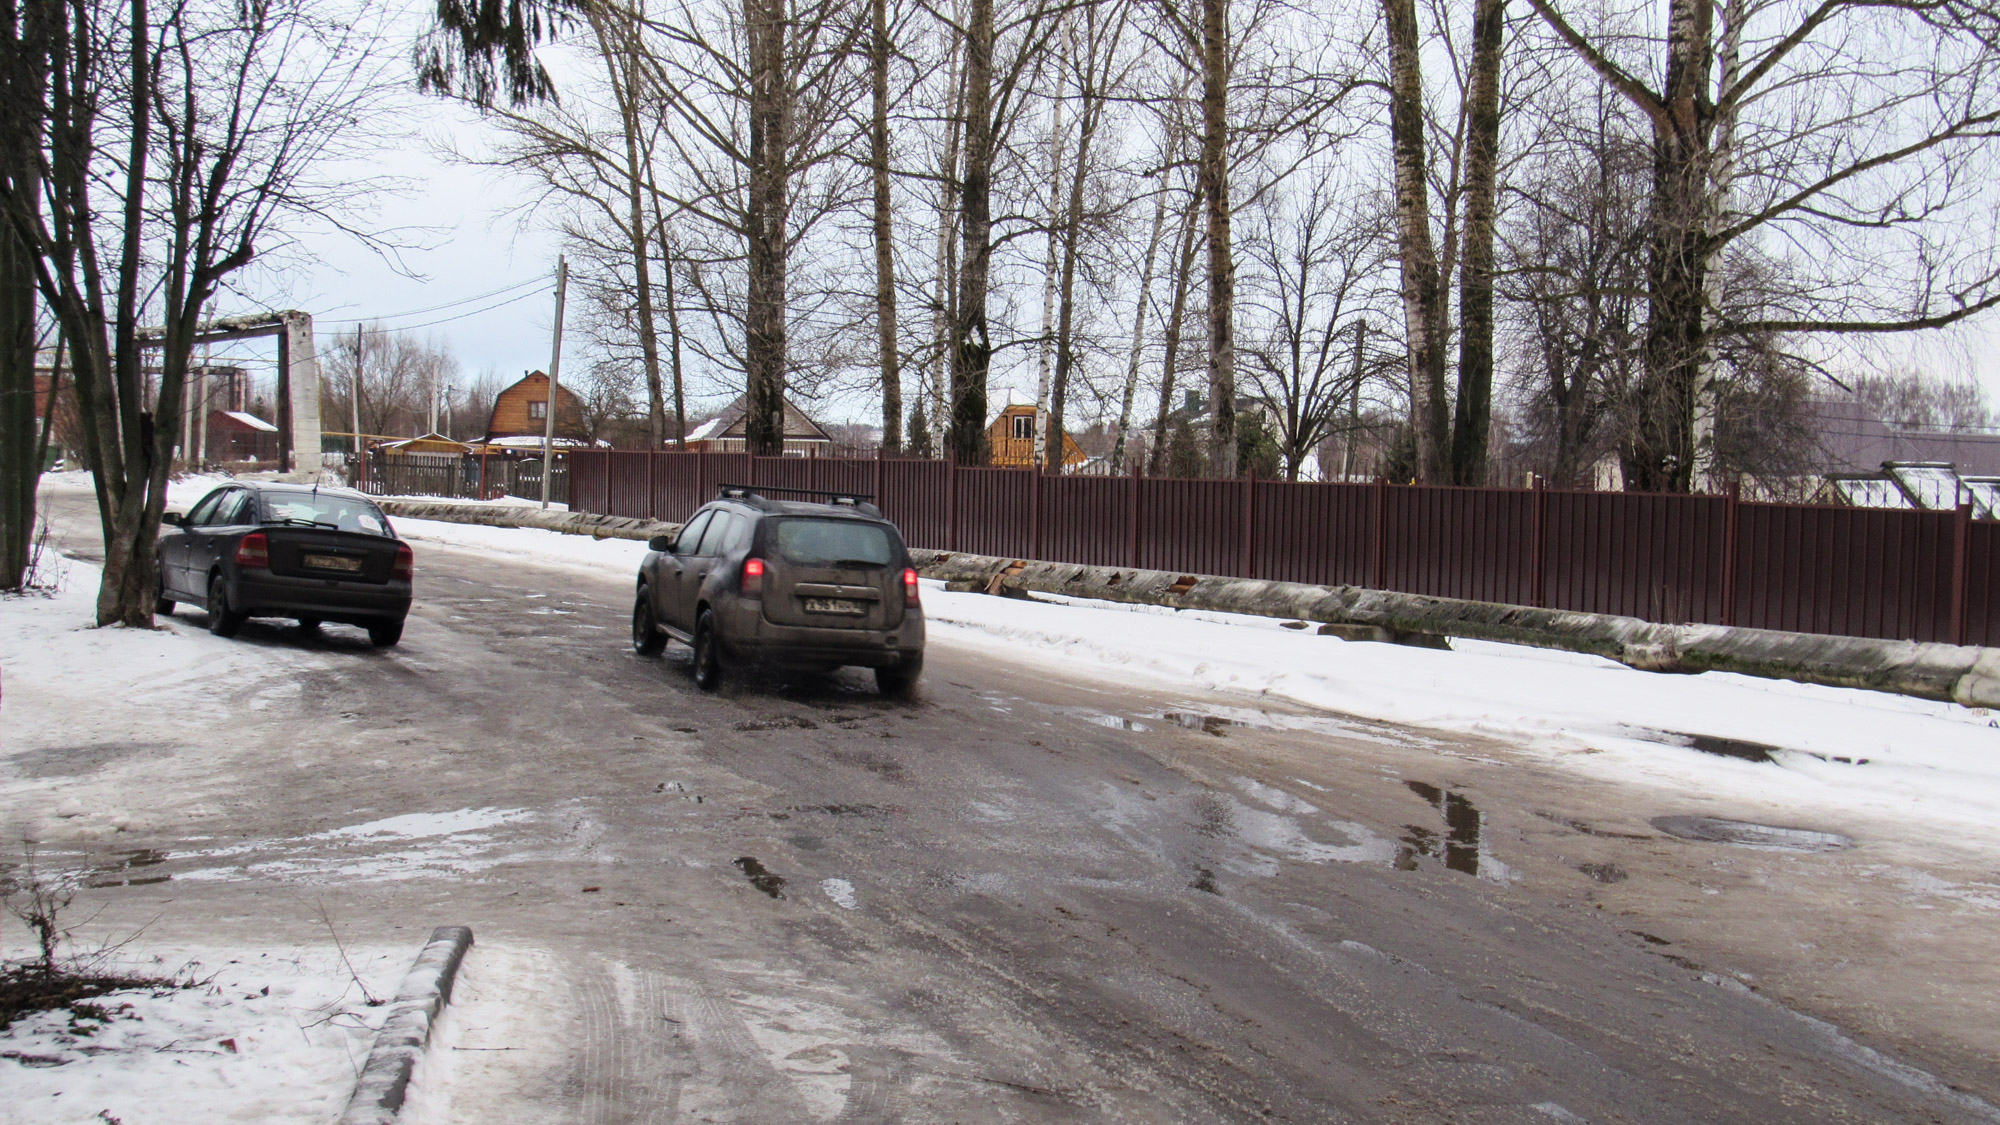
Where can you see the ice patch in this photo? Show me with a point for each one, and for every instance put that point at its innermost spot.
(840, 891)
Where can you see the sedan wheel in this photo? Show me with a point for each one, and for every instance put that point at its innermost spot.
(223, 619)
(707, 654)
(647, 640)
(163, 606)
(384, 634)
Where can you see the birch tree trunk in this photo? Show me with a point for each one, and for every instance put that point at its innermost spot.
(972, 345)
(1045, 350)
(1171, 342)
(1423, 292)
(1139, 320)
(1473, 423)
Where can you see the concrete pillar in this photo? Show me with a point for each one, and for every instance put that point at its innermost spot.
(302, 379)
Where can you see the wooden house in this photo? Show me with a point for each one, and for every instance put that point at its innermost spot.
(522, 410)
(724, 433)
(234, 435)
(1012, 439)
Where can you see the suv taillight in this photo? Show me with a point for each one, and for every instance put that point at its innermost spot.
(753, 578)
(910, 588)
(405, 569)
(253, 549)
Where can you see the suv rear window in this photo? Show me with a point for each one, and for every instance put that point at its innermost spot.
(810, 542)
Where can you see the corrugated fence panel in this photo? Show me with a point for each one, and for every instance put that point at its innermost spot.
(1982, 608)
(1087, 520)
(1192, 526)
(629, 484)
(1641, 555)
(994, 506)
(913, 497)
(1851, 571)
(1315, 533)
(1459, 543)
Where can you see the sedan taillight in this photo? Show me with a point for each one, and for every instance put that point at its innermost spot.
(406, 564)
(753, 578)
(253, 549)
(910, 588)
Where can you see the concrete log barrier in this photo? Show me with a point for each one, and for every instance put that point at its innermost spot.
(1964, 674)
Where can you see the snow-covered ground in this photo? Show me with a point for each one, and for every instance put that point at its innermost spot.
(1831, 747)
(264, 1036)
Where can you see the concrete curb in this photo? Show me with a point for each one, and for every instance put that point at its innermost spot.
(426, 989)
(1963, 674)
(499, 515)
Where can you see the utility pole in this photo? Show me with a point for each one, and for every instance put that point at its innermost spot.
(354, 401)
(555, 368)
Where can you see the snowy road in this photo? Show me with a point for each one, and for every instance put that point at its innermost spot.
(1034, 895)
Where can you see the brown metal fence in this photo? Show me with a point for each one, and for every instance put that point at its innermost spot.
(1925, 576)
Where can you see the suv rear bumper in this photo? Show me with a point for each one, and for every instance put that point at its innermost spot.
(746, 636)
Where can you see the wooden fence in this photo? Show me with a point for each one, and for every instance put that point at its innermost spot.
(1709, 559)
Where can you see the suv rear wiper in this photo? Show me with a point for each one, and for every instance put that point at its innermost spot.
(857, 563)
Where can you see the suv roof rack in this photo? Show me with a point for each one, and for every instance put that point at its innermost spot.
(856, 500)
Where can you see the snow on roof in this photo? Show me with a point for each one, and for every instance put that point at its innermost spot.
(706, 430)
(525, 441)
(250, 420)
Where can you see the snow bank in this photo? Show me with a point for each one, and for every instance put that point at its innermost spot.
(267, 1037)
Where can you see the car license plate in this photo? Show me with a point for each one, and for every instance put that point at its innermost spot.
(834, 605)
(333, 562)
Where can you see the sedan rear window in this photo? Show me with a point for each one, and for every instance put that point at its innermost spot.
(809, 542)
(306, 509)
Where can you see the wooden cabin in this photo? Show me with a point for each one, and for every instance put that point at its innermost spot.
(237, 436)
(724, 433)
(522, 410)
(1012, 439)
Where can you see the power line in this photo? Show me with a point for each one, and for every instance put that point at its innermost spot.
(442, 307)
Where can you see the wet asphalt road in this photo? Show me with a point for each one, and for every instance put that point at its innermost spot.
(1020, 898)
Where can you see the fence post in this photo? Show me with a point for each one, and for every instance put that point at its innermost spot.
(1961, 569)
(1133, 523)
(1249, 523)
(951, 501)
(1378, 532)
(1035, 512)
(1732, 529)
(1538, 552)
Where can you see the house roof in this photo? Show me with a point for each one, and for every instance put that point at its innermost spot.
(1853, 439)
(249, 421)
(730, 424)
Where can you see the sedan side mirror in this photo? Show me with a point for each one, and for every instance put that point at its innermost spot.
(174, 519)
(663, 543)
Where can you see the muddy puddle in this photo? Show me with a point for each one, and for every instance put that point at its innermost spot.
(1459, 844)
(121, 872)
(1742, 833)
(761, 877)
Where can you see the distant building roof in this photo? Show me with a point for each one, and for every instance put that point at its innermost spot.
(729, 424)
(249, 421)
(1853, 439)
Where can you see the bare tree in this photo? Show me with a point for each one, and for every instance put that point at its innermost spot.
(1855, 131)
(199, 123)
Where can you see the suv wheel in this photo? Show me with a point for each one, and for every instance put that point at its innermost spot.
(647, 640)
(900, 682)
(223, 619)
(707, 653)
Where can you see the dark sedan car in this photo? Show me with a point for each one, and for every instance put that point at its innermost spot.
(262, 549)
(786, 583)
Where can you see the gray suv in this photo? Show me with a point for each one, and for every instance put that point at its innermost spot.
(789, 583)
